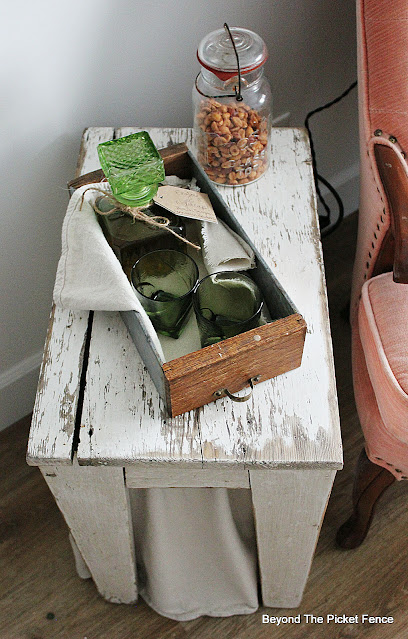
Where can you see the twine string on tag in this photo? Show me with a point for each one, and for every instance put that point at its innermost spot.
(137, 213)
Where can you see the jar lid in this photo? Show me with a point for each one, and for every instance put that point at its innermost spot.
(216, 52)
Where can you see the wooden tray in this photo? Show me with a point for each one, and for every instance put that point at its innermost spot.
(224, 368)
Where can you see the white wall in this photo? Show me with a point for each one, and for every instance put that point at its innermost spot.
(66, 66)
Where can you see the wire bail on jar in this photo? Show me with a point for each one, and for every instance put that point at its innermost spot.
(237, 95)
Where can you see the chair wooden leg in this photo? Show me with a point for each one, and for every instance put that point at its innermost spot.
(369, 484)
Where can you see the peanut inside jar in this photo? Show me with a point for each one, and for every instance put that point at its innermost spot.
(233, 142)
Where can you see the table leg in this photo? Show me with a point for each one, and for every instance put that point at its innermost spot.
(80, 565)
(95, 505)
(289, 507)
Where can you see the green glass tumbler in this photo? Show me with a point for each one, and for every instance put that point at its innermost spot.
(133, 167)
(164, 282)
(226, 304)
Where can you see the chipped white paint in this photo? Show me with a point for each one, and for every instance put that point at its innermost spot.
(289, 507)
(52, 429)
(53, 421)
(95, 505)
(88, 156)
(290, 421)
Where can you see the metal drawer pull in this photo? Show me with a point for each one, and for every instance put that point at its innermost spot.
(235, 398)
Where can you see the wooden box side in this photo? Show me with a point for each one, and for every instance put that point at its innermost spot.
(263, 352)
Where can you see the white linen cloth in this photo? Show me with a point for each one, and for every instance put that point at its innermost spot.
(224, 250)
(195, 547)
(89, 275)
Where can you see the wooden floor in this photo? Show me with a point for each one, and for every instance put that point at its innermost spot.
(41, 596)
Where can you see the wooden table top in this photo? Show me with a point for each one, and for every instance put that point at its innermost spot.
(291, 421)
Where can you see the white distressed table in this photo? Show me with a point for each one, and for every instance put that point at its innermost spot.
(99, 428)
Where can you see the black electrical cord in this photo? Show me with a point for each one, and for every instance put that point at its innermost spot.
(325, 221)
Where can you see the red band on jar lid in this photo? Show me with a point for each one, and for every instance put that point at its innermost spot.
(226, 75)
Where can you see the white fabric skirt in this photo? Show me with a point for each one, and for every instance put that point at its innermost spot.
(195, 551)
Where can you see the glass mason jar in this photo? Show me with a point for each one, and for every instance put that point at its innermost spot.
(232, 111)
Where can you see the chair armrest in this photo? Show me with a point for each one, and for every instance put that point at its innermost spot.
(393, 172)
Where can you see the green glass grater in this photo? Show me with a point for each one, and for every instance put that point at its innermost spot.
(133, 168)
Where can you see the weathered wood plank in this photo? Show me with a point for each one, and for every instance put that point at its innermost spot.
(287, 536)
(292, 420)
(54, 413)
(87, 497)
(172, 476)
(52, 431)
(88, 158)
(123, 417)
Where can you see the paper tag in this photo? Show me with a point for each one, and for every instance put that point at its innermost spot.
(186, 203)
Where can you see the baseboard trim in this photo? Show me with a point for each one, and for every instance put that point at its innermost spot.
(18, 386)
(345, 175)
(19, 370)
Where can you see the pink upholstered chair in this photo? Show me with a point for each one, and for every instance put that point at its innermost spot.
(379, 300)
